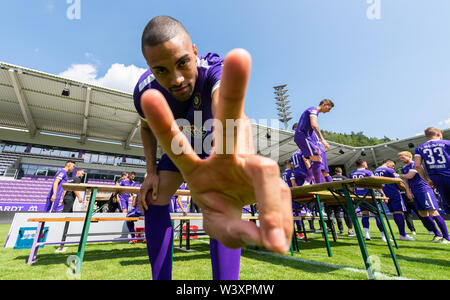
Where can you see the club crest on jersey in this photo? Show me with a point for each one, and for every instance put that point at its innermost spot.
(197, 102)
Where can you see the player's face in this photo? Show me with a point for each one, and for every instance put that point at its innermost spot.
(326, 108)
(404, 159)
(71, 166)
(174, 64)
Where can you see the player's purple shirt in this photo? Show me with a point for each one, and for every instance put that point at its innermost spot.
(128, 183)
(391, 189)
(436, 156)
(304, 125)
(361, 173)
(209, 72)
(298, 162)
(416, 183)
(63, 178)
(288, 174)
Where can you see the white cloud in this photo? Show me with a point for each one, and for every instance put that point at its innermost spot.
(445, 124)
(118, 77)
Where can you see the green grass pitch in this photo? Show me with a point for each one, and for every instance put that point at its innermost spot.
(418, 260)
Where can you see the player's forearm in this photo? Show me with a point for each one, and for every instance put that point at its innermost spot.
(150, 146)
(410, 175)
(55, 187)
(316, 129)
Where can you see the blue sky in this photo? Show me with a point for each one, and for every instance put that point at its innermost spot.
(388, 76)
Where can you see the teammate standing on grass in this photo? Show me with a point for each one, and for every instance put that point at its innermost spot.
(435, 154)
(392, 191)
(361, 172)
(305, 140)
(182, 85)
(54, 196)
(424, 198)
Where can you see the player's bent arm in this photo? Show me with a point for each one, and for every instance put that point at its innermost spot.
(409, 175)
(419, 168)
(315, 127)
(55, 186)
(409, 193)
(150, 147)
(294, 183)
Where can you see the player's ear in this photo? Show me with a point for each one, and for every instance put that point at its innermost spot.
(194, 48)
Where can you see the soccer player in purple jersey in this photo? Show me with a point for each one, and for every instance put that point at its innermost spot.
(435, 154)
(361, 172)
(125, 197)
(302, 170)
(304, 139)
(182, 85)
(54, 195)
(291, 181)
(424, 198)
(392, 191)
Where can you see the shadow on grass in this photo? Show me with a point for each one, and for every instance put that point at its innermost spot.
(423, 260)
(44, 259)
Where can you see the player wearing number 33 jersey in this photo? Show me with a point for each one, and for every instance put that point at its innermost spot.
(435, 154)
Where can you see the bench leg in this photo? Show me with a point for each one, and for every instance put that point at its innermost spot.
(358, 232)
(324, 227)
(35, 247)
(85, 232)
(391, 249)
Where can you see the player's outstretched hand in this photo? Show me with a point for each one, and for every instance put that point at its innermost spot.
(232, 176)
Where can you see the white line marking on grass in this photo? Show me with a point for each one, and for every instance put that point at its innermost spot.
(378, 275)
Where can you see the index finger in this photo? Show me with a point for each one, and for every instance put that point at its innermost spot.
(233, 86)
(162, 123)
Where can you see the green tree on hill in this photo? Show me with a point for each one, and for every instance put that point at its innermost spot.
(355, 139)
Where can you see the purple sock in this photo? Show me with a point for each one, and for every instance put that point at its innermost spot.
(328, 178)
(317, 172)
(442, 226)
(425, 223)
(159, 235)
(130, 226)
(225, 262)
(380, 228)
(400, 221)
(432, 226)
(365, 222)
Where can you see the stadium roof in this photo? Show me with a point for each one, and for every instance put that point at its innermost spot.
(32, 101)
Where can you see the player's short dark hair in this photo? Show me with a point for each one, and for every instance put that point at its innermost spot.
(133, 173)
(288, 161)
(327, 102)
(161, 29)
(295, 125)
(124, 173)
(388, 160)
(338, 170)
(70, 162)
(360, 162)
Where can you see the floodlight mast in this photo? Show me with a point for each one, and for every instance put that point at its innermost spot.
(282, 102)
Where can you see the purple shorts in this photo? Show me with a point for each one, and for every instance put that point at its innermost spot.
(300, 177)
(442, 184)
(323, 154)
(425, 199)
(165, 164)
(307, 145)
(395, 202)
(123, 203)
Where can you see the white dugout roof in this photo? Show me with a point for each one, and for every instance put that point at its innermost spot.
(31, 100)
